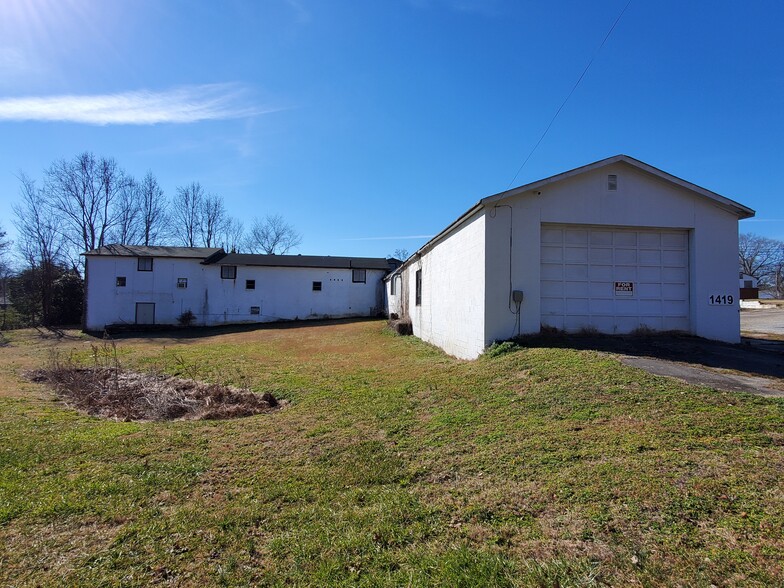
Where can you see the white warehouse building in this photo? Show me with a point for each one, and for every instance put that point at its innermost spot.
(136, 285)
(613, 246)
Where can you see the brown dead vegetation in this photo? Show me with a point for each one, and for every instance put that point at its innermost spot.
(108, 391)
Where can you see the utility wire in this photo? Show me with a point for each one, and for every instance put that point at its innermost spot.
(580, 79)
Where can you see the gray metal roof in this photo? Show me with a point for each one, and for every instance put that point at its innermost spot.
(322, 261)
(155, 251)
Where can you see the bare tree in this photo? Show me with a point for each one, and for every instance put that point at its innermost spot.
(128, 228)
(41, 243)
(5, 247)
(762, 258)
(5, 273)
(400, 253)
(212, 219)
(272, 235)
(154, 216)
(186, 213)
(83, 191)
(232, 237)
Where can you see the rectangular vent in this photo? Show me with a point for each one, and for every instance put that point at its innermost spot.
(612, 182)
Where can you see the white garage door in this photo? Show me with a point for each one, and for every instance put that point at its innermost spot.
(614, 280)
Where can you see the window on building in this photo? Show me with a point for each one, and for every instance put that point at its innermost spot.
(317, 286)
(144, 264)
(747, 283)
(229, 272)
(418, 287)
(612, 182)
(250, 284)
(121, 281)
(359, 276)
(255, 310)
(182, 282)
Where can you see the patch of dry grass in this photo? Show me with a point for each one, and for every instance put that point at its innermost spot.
(394, 465)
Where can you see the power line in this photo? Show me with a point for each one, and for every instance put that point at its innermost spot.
(580, 79)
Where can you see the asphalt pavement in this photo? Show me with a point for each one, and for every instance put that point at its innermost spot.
(767, 321)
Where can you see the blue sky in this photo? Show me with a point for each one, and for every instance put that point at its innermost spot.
(371, 125)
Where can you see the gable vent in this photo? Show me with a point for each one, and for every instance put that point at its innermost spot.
(612, 182)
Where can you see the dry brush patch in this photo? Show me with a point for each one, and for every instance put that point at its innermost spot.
(108, 391)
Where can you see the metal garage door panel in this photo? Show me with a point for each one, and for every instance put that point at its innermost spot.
(581, 266)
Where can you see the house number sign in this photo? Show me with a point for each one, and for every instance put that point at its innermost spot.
(721, 299)
(624, 288)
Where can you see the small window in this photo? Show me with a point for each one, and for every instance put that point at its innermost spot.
(182, 282)
(419, 287)
(121, 281)
(359, 276)
(747, 283)
(255, 310)
(144, 264)
(317, 286)
(612, 182)
(229, 272)
(250, 284)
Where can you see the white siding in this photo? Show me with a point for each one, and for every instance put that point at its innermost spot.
(280, 293)
(451, 313)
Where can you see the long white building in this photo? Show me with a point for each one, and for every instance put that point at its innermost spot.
(613, 246)
(134, 285)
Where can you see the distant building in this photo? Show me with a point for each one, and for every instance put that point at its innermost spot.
(749, 287)
(134, 285)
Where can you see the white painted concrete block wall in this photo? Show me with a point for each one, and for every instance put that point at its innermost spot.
(394, 301)
(641, 200)
(280, 293)
(287, 293)
(109, 304)
(451, 314)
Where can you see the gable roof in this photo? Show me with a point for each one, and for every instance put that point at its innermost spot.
(319, 261)
(155, 251)
(730, 205)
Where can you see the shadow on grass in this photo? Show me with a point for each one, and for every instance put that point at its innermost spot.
(757, 357)
(186, 333)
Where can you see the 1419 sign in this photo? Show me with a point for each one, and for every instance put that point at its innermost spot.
(722, 299)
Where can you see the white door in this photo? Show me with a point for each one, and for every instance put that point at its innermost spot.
(145, 313)
(614, 280)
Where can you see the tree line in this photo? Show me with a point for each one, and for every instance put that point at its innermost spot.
(763, 258)
(89, 201)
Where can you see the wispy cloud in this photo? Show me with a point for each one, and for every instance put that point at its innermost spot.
(482, 7)
(186, 104)
(388, 238)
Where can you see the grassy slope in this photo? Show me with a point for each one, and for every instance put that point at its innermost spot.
(394, 465)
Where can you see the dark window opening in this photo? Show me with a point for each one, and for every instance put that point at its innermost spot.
(392, 285)
(317, 286)
(255, 310)
(182, 282)
(144, 264)
(419, 287)
(612, 182)
(121, 281)
(250, 284)
(229, 272)
(359, 276)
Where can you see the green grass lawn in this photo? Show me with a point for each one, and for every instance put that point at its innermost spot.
(393, 465)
